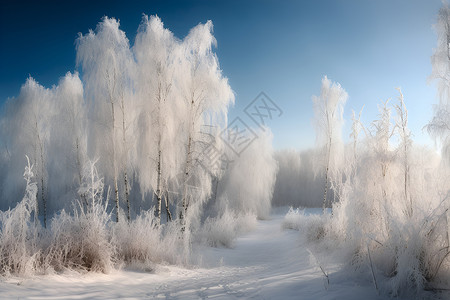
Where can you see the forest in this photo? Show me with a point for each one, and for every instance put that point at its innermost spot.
(131, 161)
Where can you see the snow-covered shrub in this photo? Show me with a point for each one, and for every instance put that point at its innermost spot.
(390, 217)
(406, 254)
(143, 242)
(20, 251)
(139, 239)
(312, 225)
(223, 230)
(82, 240)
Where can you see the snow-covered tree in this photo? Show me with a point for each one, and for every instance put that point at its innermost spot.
(26, 130)
(207, 95)
(328, 120)
(68, 138)
(439, 126)
(154, 50)
(107, 63)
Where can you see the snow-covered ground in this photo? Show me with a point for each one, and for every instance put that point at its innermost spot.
(267, 263)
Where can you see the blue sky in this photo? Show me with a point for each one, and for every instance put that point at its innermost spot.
(280, 47)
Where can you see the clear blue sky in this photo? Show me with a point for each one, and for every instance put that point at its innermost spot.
(280, 47)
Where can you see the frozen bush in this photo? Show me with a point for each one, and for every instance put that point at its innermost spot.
(83, 240)
(223, 230)
(19, 227)
(404, 243)
(138, 240)
(143, 242)
(313, 225)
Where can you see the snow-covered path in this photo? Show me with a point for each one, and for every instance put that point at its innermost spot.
(268, 263)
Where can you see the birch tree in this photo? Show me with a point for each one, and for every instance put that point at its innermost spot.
(206, 94)
(154, 50)
(106, 62)
(69, 137)
(328, 120)
(28, 124)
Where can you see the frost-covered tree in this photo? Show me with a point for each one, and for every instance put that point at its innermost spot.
(328, 120)
(107, 63)
(26, 130)
(154, 49)
(206, 96)
(439, 126)
(68, 138)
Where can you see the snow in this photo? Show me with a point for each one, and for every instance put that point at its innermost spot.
(267, 263)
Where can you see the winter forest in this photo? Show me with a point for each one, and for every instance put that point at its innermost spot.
(118, 163)
(129, 163)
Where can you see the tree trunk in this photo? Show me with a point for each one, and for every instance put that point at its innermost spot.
(324, 206)
(216, 188)
(158, 185)
(169, 215)
(188, 159)
(116, 188)
(124, 140)
(160, 97)
(325, 192)
(36, 214)
(186, 178)
(44, 200)
(127, 196)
